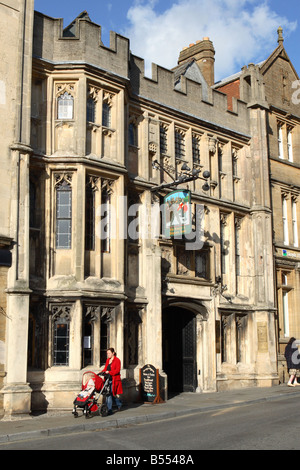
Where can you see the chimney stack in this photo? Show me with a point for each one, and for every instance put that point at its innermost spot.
(204, 54)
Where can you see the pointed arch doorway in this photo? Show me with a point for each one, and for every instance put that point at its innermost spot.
(179, 349)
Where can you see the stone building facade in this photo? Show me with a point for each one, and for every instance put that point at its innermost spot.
(91, 267)
(284, 158)
(280, 85)
(16, 17)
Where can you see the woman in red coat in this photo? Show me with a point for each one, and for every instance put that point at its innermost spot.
(113, 367)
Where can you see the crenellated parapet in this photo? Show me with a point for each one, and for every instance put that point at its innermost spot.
(80, 43)
(190, 98)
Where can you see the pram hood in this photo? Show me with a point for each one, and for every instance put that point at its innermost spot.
(89, 376)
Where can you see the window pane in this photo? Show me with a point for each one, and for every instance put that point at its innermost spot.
(106, 115)
(63, 211)
(294, 223)
(132, 134)
(64, 227)
(223, 248)
(234, 167)
(60, 359)
(62, 329)
(91, 110)
(90, 220)
(179, 145)
(280, 143)
(196, 149)
(200, 265)
(104, 341)
(63, 216)
(105, 223)
(32, 204)
(285, 306)
(237, 252)
(63, 197)
(163, 140)
(87, 342)
(61, 344)
(65, 106)
(63, 241)
(224, 338)
(290, 146)
(285, 222)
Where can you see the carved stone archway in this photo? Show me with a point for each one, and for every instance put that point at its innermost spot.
(184, 322)
(198, 307)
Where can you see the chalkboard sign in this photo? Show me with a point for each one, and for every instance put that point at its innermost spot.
(149, 384)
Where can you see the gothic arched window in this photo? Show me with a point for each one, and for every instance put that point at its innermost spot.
(65, 106)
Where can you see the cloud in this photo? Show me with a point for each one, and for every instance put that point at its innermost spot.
(242, 31)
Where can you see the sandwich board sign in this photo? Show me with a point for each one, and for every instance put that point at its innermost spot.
(149, 385)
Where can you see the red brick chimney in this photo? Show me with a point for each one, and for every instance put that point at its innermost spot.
(204, 54)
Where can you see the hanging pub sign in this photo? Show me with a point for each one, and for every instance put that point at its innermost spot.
(177, 214)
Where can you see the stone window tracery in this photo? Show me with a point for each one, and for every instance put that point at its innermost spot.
(61, 318)
(65, 101)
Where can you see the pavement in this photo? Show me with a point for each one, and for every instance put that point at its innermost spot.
(60, 423)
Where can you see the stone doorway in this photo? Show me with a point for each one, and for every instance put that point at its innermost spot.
(179, 349)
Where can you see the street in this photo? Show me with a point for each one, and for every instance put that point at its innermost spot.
(270, 425)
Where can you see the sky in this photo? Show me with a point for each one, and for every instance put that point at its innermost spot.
(242, 31)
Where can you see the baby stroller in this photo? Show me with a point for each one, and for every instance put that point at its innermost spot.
(92, 397)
